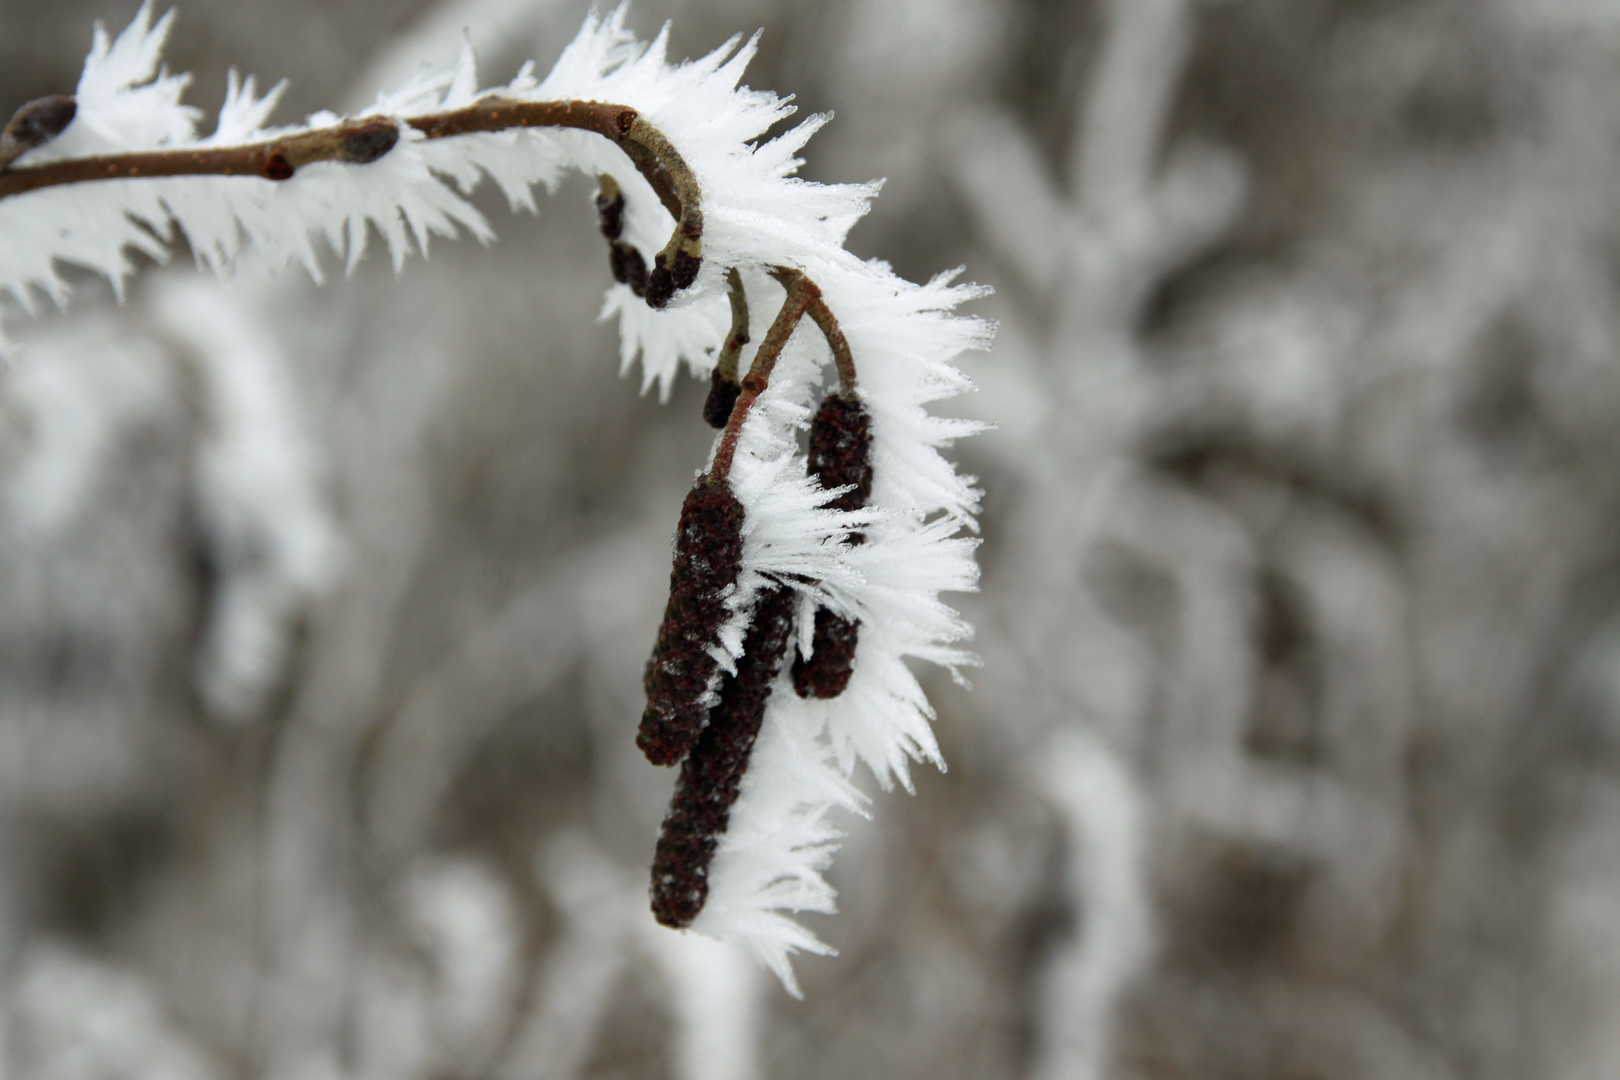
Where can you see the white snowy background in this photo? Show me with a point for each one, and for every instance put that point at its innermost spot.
(1295, 754)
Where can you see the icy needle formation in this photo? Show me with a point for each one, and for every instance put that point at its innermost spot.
(704, 220)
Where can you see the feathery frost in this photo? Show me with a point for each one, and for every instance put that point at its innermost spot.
(757, 215)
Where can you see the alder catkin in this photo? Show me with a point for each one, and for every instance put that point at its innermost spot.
(708, 558)
(840, 456)
(712, 772)
(841, 452)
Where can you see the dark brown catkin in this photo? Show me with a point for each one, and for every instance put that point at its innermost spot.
(840, 455)
(712, 772)
(708, 558)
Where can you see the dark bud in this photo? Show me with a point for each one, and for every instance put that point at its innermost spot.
(708, 558)
(610, 215)
(625, 121)
(277, 167)
(369, 141)
(712, 774)
(826, 673)
(660, 285)
(685, 270)
(723, 394)
(841, 451)
(629, 268)
(665, 281)
(39, 122)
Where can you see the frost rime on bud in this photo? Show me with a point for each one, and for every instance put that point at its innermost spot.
(708, 557)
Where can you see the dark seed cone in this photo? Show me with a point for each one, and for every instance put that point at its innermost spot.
(723, 394)
(840, 454)
(712, 773)
(708, 557)
(832, 659)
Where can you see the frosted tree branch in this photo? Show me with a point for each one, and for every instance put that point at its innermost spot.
(804, 553)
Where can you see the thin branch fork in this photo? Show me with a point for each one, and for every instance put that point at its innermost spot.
(794, 305)
(803, 298)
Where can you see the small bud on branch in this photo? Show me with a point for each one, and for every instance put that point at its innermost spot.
(708, 557)
(35, 124)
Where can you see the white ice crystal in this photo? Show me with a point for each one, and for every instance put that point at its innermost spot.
(756, 216)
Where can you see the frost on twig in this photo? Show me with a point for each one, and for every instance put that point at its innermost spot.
(704, 217)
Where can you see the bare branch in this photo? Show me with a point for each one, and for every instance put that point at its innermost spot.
(362, 141)
(358, 142)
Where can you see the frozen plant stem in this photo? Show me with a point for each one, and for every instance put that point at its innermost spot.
(723, 386)
(803, 298)
(363, 141)
(726, 365)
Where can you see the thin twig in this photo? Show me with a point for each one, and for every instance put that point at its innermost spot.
(677, 265)
(364, 140)
(726, 364)
(800, 293)
(823, 317)
(358, 142)
(723, 388)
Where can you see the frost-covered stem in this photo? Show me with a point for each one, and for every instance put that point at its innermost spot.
(823, 317)
(365, 140)
(676, 266)
(723, 388)
(800, 292)
(358, 142)
(726, 364)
